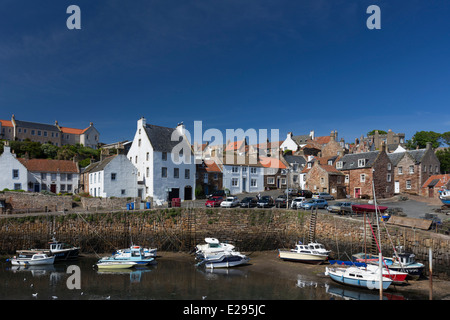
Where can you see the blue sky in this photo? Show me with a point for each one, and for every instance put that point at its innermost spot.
(291, 65)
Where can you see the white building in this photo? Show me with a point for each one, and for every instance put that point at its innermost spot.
(295, 143)
(165, 162)
(114, 176)
(242, 174)
(13, 174)
(35, 175)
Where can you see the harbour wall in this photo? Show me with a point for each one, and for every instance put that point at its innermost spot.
(180, 229)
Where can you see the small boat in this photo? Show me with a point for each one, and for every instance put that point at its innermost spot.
(395, 276)
(134, 254)
(224, 260)
(303, 253)
(320, 248)
(32, 258)
(444, 196)
(357, 277)
(103, 264)
(63, 251)
(212, 246)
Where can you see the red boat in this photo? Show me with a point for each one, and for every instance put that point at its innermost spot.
(361, 208)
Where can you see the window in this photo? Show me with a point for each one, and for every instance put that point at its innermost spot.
(283, 181)
(253, 182)
(164, 172)
(53, 176)
(322, 180)
(187, 173)
(39, 133)
(437, 169)
(389, 166)
(339, 165)
(362, 178)
(123, 192)
(176, 173)
(135, 159)
(252, 170)
(113, 177)
(400, 170)
(45, 133)
(164, 156)
(234, 169)
(139, 142)
(388, 178)
(411, 169)
(69, 177)
(408, 184)
(148, 156)
(234, 182)
(147, 172)
(216, 176)
(63, 187)
(15, 174)
(270, 180)
(17, 186)
(424, 168)
(361, 162)
(43, 176)
(69, 188)
(32, 132)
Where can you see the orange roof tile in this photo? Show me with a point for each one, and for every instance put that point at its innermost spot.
(236, 145)
(443, 180)
(211, 166)
(46, 165)
(6, 123)
(268, 162)
(73, 130)
(322, 140)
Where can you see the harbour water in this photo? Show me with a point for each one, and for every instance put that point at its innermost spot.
(170, 278)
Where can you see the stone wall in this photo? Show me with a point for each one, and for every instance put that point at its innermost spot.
(17, 202)
(179, 229)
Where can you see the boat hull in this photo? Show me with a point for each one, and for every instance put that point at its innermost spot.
(116, 265)
(301, 257)
(66, 254)
(340, 276)
(231, 261)
(30, 262)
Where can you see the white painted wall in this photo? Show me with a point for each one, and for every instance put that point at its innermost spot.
(289, 144)
(243, 172)
(8, 163)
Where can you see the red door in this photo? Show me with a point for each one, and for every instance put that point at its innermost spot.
(357, 192)
(53, 188)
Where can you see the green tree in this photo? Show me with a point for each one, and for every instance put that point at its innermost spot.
(49, 150)
(444, 158)
(371, 133)
(420, 139)
(446, 138)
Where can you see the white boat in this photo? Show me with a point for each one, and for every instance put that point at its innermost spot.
(303, 253)
(115, 264)
(32, 258)
(320, 248)
(224, 260)
(133, 254)
(212, 246)
(358, 277)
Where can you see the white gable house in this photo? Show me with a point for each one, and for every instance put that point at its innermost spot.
(13, 174)
(114, 176)
(165, 162)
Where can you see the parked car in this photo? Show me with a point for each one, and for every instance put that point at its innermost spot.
(291, 192)
(219, 193)
(280, 201)
(313, 203)
(296, 202)
(323, 195)
(230, 202)
(248, 202)
(341, 207)
(305, 193)
(214, 201)
(265, 202)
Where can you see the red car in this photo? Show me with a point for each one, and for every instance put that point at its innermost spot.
(214, 202)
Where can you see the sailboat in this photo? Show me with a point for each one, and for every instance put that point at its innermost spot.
(362, 276)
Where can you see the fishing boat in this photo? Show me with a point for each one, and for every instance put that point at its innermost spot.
(134, 254)
(224, 260)
(358, 277)
(32, 258)
(105, 264)
(213, 246)
(63, 251)
(303, 253)
(444, 196)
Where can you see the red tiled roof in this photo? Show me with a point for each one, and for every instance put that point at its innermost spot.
(268, 162)
(322, 140)
(6, 123)
(443, 180)
(46, 165)
(236, 145)
(211, 166)
(73, 130)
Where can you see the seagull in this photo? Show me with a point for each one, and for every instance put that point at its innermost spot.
(34, 294)
(203, 297)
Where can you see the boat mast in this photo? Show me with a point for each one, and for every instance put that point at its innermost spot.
(380, 257)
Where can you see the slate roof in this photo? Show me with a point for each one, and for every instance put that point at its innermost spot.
(99, 165)
(36, 126)
(350, 161)
(416, 154)
(295, 159)
(302, 139)
(161, 138)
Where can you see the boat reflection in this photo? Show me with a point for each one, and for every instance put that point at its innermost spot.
(354, 294)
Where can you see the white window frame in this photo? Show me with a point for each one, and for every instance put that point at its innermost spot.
(361, 163)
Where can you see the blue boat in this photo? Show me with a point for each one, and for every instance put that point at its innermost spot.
(444, 196)
(133, 254)
(357, 277)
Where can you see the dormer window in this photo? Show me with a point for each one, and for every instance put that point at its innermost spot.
(361, 162)
(339, 165)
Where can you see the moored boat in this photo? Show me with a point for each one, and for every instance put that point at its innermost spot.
(303, 253)
(357, 277)
(444, 196)
(32, 258)
(134, 254)
(213, 246)
(63, 251)
(104, 264)
(224, 260)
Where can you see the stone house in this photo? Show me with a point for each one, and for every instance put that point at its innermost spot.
(325, 178)
(275, 176)
(57, 135)
(361, 170)
(411, 168)
(296, 165)
(390, 139)
(165, 162)
(434, 184)
(208, 177)
(333, 147)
